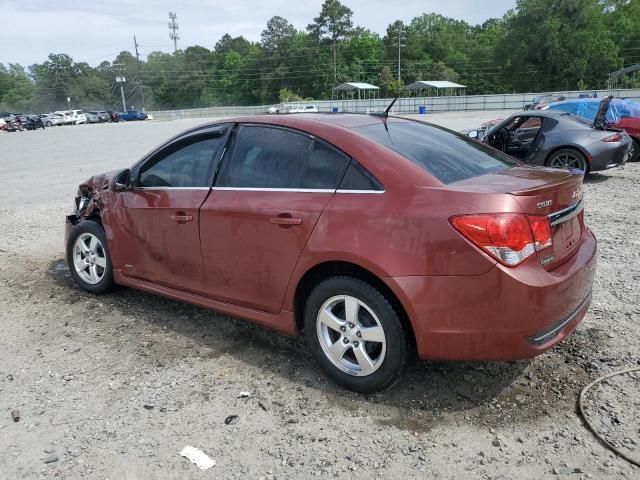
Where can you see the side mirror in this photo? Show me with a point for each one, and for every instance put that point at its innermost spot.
(473, 134)
(122, 181)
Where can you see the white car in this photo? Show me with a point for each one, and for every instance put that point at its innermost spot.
(79, 117)
(67, 116)
(300, 108)
(294, 108)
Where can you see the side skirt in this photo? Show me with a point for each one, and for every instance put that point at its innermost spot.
(283, 322)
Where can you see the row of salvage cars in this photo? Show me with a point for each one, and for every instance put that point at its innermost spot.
(586, 134)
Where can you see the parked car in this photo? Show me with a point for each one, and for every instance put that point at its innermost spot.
(52, 119)
(370, 235)
(622, 113)
(103, 116)
(79, 117)
(67, 116)
(34, 122)
(559, 140)
(92, 117)
(133, 115)
(542, 101)
(292, 108)
(300, 109)
(114, 116)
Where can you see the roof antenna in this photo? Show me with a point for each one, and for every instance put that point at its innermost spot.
(385, 114)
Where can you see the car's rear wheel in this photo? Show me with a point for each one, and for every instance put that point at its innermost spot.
(88, 257)
(355, 334)
(568, 158)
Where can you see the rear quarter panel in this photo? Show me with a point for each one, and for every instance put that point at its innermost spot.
(399, 234)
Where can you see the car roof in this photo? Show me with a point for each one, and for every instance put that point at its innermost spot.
(302, 120)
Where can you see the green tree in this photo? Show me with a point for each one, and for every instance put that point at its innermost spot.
(555, 44)
(334, 23)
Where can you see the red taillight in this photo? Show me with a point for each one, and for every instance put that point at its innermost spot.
(541, 230)
(616, 137)
(510, 238)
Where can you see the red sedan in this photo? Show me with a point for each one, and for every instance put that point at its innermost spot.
(372, 236)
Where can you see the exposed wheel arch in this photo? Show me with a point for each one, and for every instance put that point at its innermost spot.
(324, 270)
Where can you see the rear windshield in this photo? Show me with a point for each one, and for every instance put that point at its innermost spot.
(448, 156)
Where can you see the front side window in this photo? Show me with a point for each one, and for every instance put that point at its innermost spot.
(186, 166)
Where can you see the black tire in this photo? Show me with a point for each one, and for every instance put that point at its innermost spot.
(396, 341)
(556, 157)
(105, 282)
(635, 150)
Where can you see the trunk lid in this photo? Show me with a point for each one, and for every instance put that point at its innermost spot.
(554, 193)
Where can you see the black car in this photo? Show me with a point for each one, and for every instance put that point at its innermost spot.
(115, 116)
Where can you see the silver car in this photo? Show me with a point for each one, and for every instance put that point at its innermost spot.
(52, 119)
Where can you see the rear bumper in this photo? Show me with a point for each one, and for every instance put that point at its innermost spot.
(505, 314)
(606, 157)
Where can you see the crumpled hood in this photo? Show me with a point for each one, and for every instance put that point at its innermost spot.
(100, 181)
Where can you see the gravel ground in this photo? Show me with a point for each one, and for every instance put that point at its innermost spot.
(115, 386)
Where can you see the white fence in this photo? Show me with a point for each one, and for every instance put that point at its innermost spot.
(405, 105)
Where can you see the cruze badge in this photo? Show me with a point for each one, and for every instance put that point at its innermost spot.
(545, 204)
(576, 194)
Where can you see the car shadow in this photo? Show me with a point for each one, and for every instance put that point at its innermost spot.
(596, 178)
(424, 393)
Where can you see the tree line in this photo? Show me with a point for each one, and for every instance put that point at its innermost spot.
(540, 45)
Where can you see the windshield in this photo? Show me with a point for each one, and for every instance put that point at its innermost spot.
(448, 156)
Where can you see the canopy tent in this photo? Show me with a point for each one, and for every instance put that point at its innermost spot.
(350, 91)
(439, 86)
(612, 82)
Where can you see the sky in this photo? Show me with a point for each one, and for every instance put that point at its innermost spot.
(94, 31)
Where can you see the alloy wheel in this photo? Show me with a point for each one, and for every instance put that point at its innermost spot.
(568, 160)
(89, 258)
(351, 335)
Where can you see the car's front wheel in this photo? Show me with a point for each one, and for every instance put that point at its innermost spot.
(355, 334)
(88, 257)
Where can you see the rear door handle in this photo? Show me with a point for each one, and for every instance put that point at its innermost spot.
(286, 221)
(182, 218)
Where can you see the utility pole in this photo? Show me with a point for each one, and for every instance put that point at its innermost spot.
(120, 80)
(400, 45)
(135, 44)
(173, 26)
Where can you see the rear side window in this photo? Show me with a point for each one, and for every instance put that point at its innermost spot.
(448, 156)
(358, 178)
(268, 157)
(325, 167)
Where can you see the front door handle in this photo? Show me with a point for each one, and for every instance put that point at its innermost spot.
(286, 220)
(181, 217)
